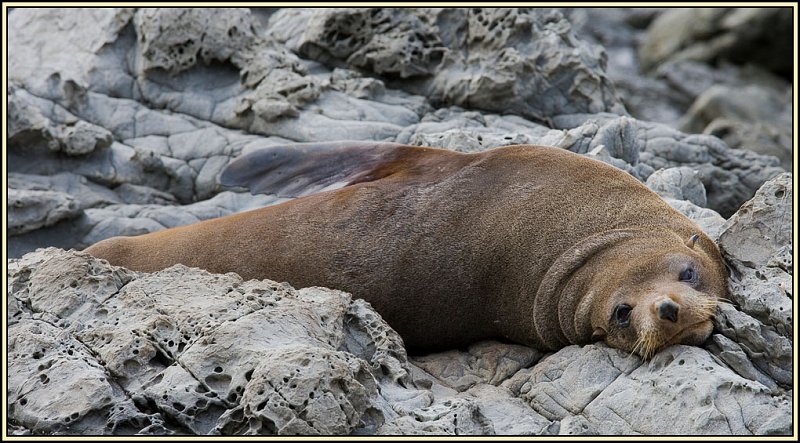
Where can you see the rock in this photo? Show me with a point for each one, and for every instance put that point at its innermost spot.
(57, 386)
(83, 138)
(455, 57)
(755, 35)
(451, 417)
(762, 138)
(31, 210)
(68, 42)
(32, 128)
(210, 354)
(765, 293)
(207, 353)
(28, 126)
(761, 226)
(709, 220)
(174, 39)
(749, 103)
(751, 117)
(730, 176)
(736, 358)
(756, 242)
(508, 415)
(682, 390)
(485, 362)
(142, 195)
(136, 219)
(678, 183)
(767, 350)
(84, 192)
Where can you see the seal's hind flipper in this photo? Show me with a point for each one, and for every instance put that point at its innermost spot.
(306, 168)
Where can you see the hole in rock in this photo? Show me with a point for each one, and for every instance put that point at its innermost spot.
(218, 382)
(160, 360)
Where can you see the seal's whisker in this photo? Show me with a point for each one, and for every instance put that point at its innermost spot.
(636, 346)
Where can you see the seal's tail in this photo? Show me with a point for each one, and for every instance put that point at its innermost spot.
(301, 169)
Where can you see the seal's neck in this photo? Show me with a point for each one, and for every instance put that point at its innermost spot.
(566, 296)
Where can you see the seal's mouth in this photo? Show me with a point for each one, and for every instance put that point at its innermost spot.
(696, 334)
(651, 342)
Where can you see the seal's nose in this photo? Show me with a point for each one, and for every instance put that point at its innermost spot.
(668, 310)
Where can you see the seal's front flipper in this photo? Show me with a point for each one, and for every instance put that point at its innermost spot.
(306, 168)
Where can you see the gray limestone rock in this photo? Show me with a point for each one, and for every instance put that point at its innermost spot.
(205, 353)
(58, 387)
(525, 62)
(450, 417)
(761, 137)
(29, 210)
(182, 351)
(730, 176)
(751, 117)
(756, 242)
(508, 414)
(682, 390)
(485, 362)
(29, 126)
(35, 126)
(67, 42)
(709, 220)
(757, 35)
(174, 39)
(136, 219)
(86, 193)
(768, 351)
(752, 103)
(678, 183)
(762, 225)
(83, 138)
(142, 195)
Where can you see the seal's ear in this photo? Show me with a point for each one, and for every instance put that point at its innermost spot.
(306, 168)
(690, 243)
(598, 334)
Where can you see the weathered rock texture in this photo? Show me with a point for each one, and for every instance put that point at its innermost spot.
(742, 35)
(98, 349)
(120, 121)
(514, 61)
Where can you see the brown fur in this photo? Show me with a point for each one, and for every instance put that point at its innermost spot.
(527, 243)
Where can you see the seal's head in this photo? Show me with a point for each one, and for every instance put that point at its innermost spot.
(660, 294)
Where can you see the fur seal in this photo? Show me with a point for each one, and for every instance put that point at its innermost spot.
(533, 244)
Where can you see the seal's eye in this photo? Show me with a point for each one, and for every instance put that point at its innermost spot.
(688, 275)
(622, 314)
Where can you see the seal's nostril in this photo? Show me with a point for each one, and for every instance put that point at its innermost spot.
(668, 310)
